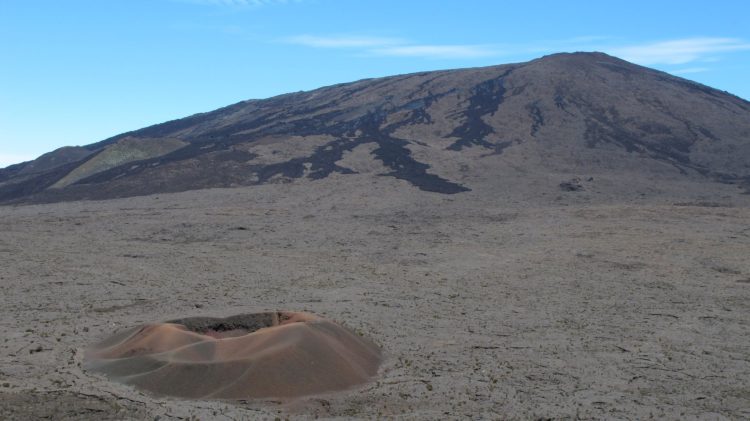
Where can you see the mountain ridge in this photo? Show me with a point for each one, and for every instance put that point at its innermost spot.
(415, 124)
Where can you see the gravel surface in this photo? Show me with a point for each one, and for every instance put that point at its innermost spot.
(486, 306)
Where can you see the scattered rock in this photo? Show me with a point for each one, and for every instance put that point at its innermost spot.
(573, 184)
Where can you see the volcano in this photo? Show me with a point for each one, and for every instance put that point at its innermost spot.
(275, 354)
(578, 116)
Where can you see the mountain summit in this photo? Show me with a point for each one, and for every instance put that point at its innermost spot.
(445, 132)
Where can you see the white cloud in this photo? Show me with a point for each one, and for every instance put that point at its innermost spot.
(341, 41)
(690, 70)
(393, 47)
(7, 159)
(436, 51)
(237, 3)
(679, 51)
(669, 52)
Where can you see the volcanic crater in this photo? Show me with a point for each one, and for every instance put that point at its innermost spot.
(258, 355)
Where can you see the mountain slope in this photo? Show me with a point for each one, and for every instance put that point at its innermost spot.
(444, 132)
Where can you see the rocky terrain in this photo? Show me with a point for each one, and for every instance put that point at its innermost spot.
(560, 239)
(513, 306)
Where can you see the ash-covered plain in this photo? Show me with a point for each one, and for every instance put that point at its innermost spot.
(564, 238)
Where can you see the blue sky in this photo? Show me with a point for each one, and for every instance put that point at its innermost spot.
(73, 72)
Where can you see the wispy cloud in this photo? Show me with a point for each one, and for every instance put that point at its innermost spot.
(341, 41)
(394, 47)
(690, 70)
(673, 52)
(237, 3)
(678, 51)
(436, 51)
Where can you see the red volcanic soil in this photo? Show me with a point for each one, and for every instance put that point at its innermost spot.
(263, 355)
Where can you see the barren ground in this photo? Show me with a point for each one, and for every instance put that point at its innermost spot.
(485, 307)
